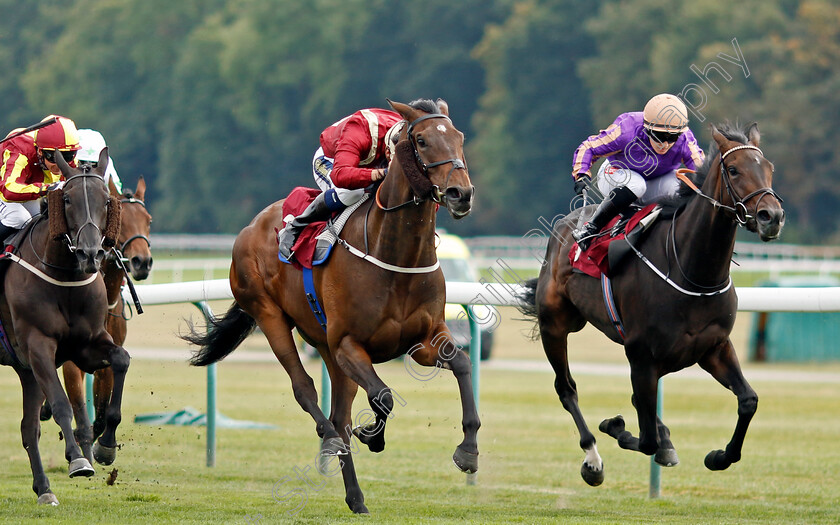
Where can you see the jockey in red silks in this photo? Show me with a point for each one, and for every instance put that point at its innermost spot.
(29, 169)
(354, 154)
(644, 150)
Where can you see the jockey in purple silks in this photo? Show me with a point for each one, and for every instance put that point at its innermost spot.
(644, 150)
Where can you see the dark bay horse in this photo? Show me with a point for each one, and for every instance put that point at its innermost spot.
(673, 320)
(132, 253)
(379, 307)
(54, 306)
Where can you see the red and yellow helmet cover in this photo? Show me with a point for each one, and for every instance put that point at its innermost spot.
(61, 135)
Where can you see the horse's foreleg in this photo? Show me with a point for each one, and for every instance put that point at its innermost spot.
(41, 351)
(339, 457)
(103, 385)
(644, 381)
(74, 384)
(556, 349)
(356, 364)
(722, 364)
(105, 448)
(30, 432)
(443, 353)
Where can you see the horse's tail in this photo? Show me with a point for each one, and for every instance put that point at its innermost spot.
(528, 305)
(224, 335)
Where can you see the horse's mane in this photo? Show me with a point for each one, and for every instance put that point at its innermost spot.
(424, 104)
(732, 131)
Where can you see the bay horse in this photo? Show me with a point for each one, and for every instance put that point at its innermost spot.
(675, 300)
(382, 302)
(53, 307)
(132, 253)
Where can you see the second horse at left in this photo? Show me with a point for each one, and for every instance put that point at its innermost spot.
(132, 254)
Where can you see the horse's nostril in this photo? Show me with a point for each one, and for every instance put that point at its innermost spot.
(453, 193)
(763, 216)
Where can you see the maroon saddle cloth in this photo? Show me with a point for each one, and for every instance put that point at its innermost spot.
(594, 261)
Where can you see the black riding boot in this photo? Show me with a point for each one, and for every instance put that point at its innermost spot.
(616, 202)
(6, 233)
(316, 211)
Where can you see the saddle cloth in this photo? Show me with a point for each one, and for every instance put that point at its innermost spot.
(327, 231)
(594, 261)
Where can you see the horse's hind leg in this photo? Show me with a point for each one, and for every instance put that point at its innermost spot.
(443, 353)
(74, 384)
(105, 448)
(644, 382)
(555, 344)
(30, 432)
(103, 386)
(722, 364)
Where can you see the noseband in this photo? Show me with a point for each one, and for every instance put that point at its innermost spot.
(71, 243)
(739, 208)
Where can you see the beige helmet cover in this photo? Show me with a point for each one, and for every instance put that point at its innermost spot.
(665, 112)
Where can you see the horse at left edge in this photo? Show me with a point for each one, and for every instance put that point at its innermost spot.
(53, 309)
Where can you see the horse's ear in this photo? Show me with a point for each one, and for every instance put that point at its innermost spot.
(102, 165)
(443, 107)
(65, 168)
(407, 112)
(718, 136)
(753, 135)
(140, 192)
(112, 188)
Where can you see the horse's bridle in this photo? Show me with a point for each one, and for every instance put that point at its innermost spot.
(71, 243)
(738, 208)
(121, 250)
(457, 164)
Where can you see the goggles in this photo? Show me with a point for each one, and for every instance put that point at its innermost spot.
(49, 155)
(665, 137)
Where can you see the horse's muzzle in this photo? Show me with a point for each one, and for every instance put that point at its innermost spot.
(769, 223)
(90, 260)
(458, 200)
(140, 267)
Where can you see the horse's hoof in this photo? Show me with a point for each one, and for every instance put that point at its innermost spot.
(368, 435)
(46, 412)
(47, 498)
(592, 477)
(333, 447)
(81, 467)
(612, 426)
(465, 461)
(104, 455)
(716, 460)
(359, 508)
(667, 457)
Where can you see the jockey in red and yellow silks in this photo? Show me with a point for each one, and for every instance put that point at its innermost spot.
(29, 170)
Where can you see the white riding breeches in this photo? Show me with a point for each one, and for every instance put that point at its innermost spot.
(15, 214)
(647, 191)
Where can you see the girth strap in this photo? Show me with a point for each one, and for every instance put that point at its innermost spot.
(312, 298)
(612, 309)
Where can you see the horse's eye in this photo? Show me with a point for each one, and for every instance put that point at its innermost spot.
(732, 170)
(421, 142)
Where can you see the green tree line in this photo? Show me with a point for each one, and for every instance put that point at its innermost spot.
(219, 103)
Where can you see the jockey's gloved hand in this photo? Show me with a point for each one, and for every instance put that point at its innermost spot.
(50, 187)
(581, 183)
